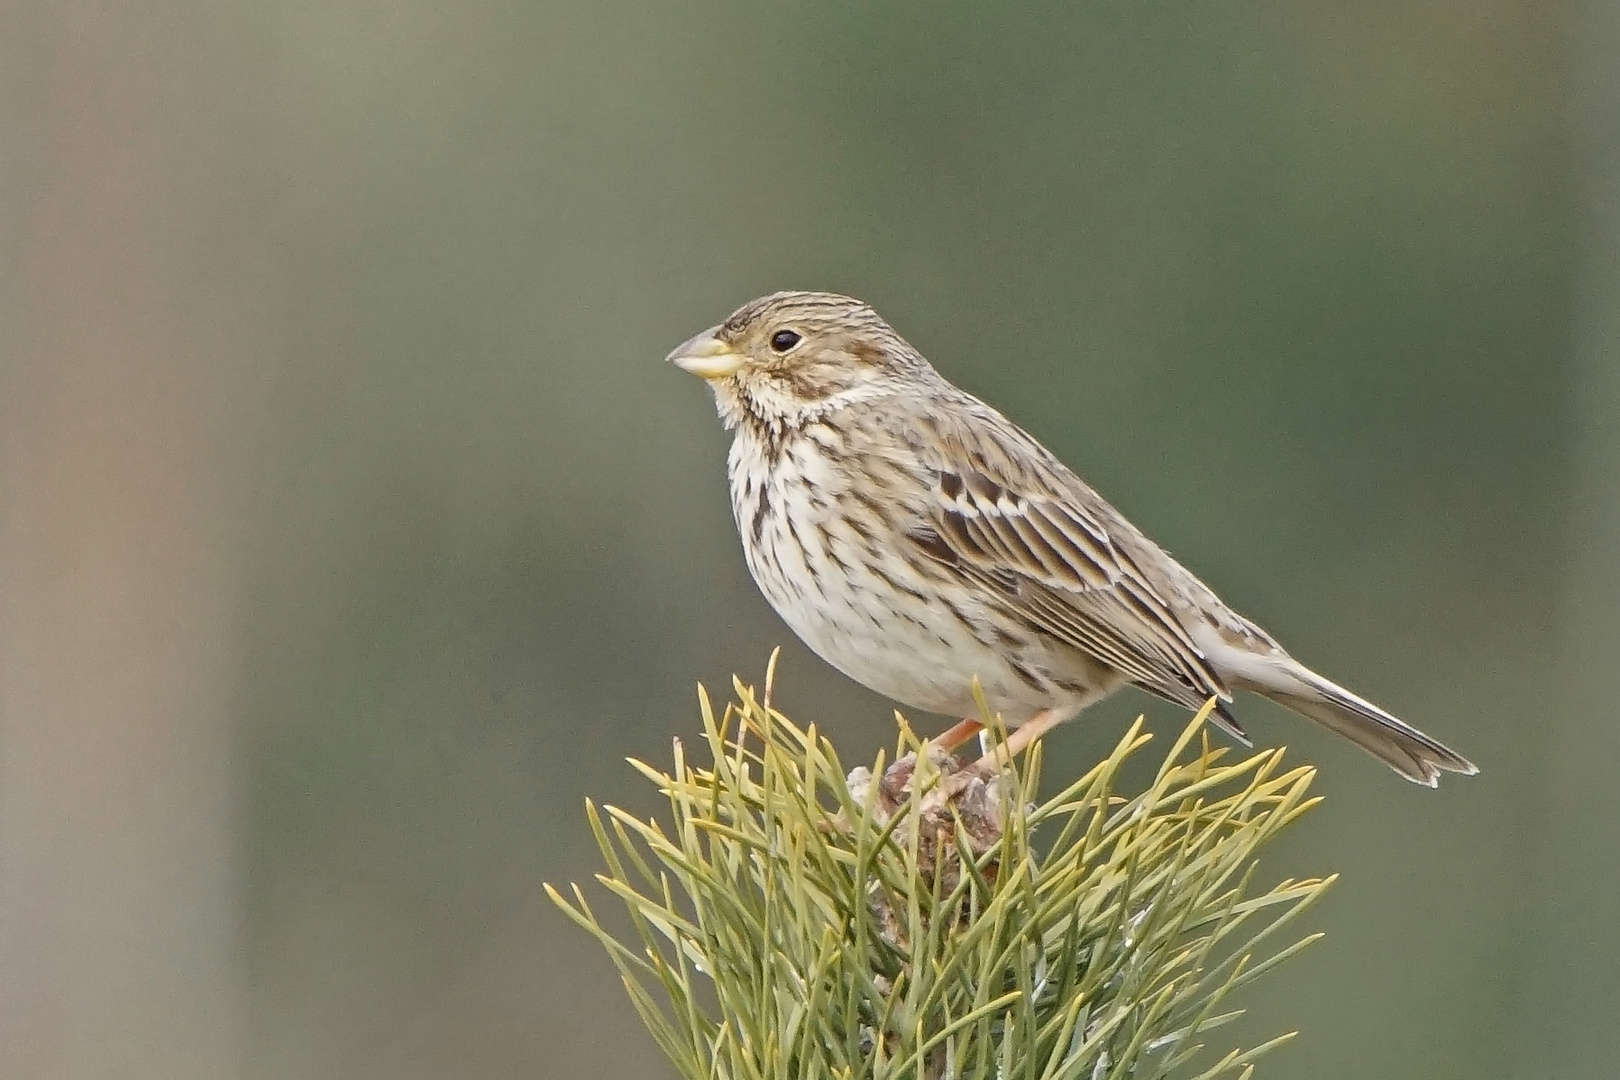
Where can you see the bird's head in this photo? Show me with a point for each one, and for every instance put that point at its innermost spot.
(790, 357)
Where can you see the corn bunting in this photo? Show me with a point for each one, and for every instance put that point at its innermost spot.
(916, 539)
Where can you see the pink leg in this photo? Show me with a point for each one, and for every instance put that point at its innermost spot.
(1018, 741)
(957, 735)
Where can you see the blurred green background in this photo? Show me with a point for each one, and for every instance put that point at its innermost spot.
(353, 531)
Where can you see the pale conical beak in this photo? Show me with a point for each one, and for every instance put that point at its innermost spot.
(706, 356)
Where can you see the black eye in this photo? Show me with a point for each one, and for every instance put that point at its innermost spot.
(783, 340)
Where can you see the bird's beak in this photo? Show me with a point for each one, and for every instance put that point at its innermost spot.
(707, 357)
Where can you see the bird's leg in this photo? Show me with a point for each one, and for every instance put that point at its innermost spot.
(957, 735)
(1017, 742)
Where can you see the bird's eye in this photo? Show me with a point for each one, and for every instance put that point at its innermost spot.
(783, 340)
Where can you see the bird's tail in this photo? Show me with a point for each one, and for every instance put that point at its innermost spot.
(1399, 745)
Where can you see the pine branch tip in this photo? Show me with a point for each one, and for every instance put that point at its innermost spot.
(882, 922)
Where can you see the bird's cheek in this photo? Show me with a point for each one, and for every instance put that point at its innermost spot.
(808, 385)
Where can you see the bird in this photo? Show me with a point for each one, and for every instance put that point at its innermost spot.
(923, 544)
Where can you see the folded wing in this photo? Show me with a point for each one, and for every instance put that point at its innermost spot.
(1014, 521)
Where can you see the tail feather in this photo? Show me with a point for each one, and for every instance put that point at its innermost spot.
(1399, 745)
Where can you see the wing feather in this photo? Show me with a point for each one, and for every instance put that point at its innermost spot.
(1008, 516)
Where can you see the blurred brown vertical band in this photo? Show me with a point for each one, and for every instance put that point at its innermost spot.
(118, 897)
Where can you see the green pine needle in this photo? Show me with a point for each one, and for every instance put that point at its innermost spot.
(798, 922)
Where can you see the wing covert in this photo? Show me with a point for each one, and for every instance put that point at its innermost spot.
(1015, 521)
